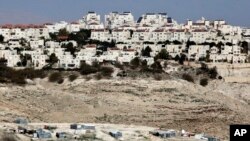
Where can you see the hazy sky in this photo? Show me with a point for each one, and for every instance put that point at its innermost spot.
(235, 12)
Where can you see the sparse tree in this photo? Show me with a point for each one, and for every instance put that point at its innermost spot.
(163, 54)
(146, 52)
(1, 38)
(53, 58)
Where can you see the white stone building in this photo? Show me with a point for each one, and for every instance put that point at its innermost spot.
(117, 20)
(120, 35)
(101, 35)
(196, 52)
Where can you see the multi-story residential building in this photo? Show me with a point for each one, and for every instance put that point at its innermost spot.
(231, 54)
(121, 35)
(36, 44)
(11, 56)
(14, 43)
(160, 35)
(126, 55)
(52, 44)
(91, 21)
(175, 50)
(73, 27)
(199, 35)
(54, 28)
(196, 52)
(141, 35)
(101, 35)
(180, 35)
(117, 20)
(28, 32)
(153, 19)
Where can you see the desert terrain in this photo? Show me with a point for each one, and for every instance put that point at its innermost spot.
(172, 103)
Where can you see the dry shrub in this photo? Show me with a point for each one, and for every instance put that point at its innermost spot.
(98, 76)
(86, 69)
(10, 75)
(73, 77)
(56, 77)
(204, 82)
(188, 78)
(107, 71)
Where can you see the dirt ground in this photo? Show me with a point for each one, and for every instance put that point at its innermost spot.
(172, 104)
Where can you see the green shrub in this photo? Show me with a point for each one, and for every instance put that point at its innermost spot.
(73, 77)
(188, 78)
(156, 67)
(30, 73)
(9, 75)
(60, 81)
(213, 73)
(55, 77)
(86, 69)
(107, 71)
(135, 63)
(204, 82)
(98, 76)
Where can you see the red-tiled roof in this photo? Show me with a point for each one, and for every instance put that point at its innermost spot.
(141, 30)
(159, 30)
(114, 48)
(90, 46)
(98, 30)
(129, 50)
(199, 30)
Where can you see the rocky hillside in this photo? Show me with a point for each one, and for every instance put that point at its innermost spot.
(172, 103)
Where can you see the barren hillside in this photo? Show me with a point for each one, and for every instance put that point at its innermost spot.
(175, 104)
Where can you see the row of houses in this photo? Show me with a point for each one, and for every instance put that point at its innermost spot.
(122, 53)
(158, 35)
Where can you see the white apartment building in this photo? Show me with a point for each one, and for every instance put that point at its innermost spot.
(117, 20)
(126, 55)
(4, 31)
(91, 21)
(66, 60)
(175, 50)
(73, 27)
(195, 52)
(34, 44)
(111, 54)
(141, 35)
(180, 35)
(199, 35)
(13, 43)
(54, 28)
(39, 60)
(120, 35)
(160, 35)
(52, 44)
(101, 35)
(228, 54)
(153, 19)
(11, 56)
(28, 32)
